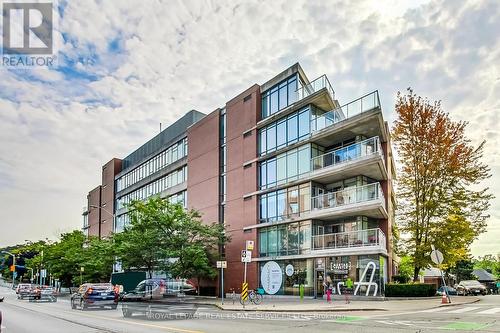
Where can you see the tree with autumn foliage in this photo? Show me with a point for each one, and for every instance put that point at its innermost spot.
(441, 199)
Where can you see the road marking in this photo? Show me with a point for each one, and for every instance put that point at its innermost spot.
(134, 322)
(435, 309)
(467, 309)
(490, 311)
(465, 326)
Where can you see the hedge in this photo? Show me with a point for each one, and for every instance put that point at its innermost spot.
(409, 290)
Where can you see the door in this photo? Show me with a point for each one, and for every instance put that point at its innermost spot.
(319, 288)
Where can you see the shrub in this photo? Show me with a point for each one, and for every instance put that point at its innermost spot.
(400, 279)
(409, 290)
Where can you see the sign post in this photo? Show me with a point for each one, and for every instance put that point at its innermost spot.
(222, 265)
(437, 257)
(246, 257)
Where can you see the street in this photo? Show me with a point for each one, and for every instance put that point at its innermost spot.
(25, 316)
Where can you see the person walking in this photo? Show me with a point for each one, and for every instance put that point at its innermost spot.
(349, 287)
(328, 286)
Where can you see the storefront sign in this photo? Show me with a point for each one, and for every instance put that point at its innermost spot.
(271, 277)
(342, 267)
(289, 270)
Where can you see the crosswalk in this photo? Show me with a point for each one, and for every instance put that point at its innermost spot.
(463, 310)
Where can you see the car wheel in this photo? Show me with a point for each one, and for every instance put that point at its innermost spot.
(73, 305)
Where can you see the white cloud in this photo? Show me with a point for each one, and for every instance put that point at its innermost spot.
(139, 65)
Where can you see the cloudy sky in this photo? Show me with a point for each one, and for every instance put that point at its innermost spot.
(126, 66)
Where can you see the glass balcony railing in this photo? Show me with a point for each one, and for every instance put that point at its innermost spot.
(314, 86)
(347, 196)
(352, 152)
(361, 238)
(351, 109)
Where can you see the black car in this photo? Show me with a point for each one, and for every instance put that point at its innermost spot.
(95, 295)
(471, 287)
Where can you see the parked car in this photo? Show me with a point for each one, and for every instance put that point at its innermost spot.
(95, 295)
(147, 290)
(43, 293)
(450, 290)
(24, 290)
(471, 287)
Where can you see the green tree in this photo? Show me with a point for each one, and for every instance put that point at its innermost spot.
(166, 237)
(406, 267)
(463, 270)
(489, 263)
(440, 199)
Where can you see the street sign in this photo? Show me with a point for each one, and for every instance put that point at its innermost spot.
(43, 273)
(222, 264)
(249, 245)
(437, 257)
(246, 256)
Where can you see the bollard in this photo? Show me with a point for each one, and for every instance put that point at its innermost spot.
(301, 291)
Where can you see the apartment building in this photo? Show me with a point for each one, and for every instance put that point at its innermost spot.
(286, 165)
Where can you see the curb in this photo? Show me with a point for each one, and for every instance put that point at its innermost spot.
(220, 307)
(457, 304)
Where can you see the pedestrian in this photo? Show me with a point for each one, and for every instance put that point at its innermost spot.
(328, 286)
(349, 285)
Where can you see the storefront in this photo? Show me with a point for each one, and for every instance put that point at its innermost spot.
(285, 277)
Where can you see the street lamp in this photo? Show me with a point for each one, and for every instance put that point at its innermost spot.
(13, 264)
(107, 211)
(31, 273)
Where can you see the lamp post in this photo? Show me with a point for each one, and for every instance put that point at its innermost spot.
(107, 211)
(31, 280)
(13, 264)
(114, 224)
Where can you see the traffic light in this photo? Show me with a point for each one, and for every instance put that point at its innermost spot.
(12, 268)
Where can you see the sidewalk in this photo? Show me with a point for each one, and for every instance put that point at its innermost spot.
(338, 305)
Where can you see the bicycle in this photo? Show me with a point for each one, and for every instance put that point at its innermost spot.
(253, 297)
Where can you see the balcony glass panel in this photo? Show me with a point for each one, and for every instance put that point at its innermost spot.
(361, 238)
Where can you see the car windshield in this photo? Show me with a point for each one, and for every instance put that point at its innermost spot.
(470, 283)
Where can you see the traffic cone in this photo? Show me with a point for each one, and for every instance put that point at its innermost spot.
(444, 299)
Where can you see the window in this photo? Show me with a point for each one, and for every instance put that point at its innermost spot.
(279, 96)
(285, 167)
(281, 140)
(285, 203)
(292, 128)
(285, 239)
(284, 132)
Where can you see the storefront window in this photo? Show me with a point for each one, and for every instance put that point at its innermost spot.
(296, 274)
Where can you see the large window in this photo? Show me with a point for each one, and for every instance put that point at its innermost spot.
(279, 96)
(170, 180)
(285, 239)
(285, 203)
(156, 163)
(284, 132)
(286, 167)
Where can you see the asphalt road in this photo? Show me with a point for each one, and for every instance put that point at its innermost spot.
(23, 316)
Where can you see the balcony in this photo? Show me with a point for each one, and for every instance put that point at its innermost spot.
(365, 157)
(367, 200)
(374, 238)
(315, 86)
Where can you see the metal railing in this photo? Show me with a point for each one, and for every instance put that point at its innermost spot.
(352, 152)
(347, 196)
(314, 86)
(365, 103)
(361, 238)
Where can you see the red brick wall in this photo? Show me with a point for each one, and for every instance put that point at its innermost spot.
(203, 167)
(241, 117)
(94, 199)
(109, 171)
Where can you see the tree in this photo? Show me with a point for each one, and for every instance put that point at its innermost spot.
(406, 267)
(63, 259)
(489, 263)
(440, 200)
(463, 270)
(166, 237)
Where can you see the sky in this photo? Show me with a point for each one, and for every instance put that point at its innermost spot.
(127, 66)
